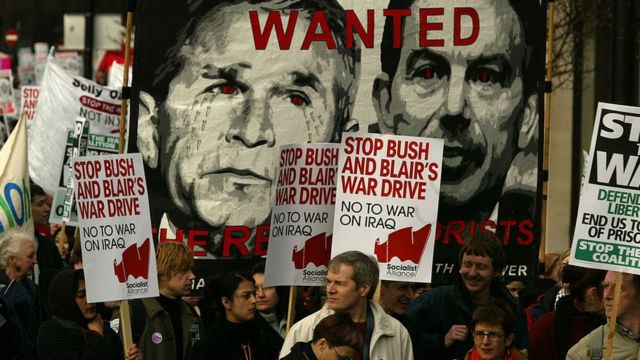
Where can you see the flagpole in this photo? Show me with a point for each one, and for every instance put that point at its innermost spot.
(125, 313)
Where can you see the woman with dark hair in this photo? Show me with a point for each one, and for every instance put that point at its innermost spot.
(493, 332)
(76, 330)
(235, 334)
(576, 315)
(64, 239)
(336, 337)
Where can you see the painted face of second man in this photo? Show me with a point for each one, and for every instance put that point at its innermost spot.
(470, 96)
(229, 108)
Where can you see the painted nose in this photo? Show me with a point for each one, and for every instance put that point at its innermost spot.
(254, 127)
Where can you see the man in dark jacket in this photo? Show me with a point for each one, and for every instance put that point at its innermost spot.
(441, 318)
(49, 258)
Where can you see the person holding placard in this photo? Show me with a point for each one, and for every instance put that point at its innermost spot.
(626, 339)
(351, 282)
(162, 326)
(77, 330)
(441, 318)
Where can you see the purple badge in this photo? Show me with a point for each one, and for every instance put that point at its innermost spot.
(156, 337)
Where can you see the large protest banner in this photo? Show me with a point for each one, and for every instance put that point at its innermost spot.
(387, 202)
(302, 215)
(222, 84)
(607, 234)
(63, 98)
(115, 230)
(15, 196)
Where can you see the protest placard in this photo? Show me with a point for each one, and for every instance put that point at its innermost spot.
(64, 97)
(30, 95)
(302, 215)
(607, 234)
(7, 98)
(115, 228)
(387, 202)
(94, 144)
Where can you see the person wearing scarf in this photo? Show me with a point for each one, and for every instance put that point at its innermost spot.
(76, 330)
(493, 332)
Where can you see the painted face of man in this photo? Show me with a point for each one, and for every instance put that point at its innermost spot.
(470, 96)
(230, 107)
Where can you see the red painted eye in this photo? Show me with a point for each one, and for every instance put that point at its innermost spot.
(428, 73)
(298, 100)
(485, 76)
(228, 89)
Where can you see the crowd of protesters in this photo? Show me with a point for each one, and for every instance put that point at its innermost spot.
(44, 313)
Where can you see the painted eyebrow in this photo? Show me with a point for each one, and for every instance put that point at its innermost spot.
(306, 79)
(423, 53)
(229, 72)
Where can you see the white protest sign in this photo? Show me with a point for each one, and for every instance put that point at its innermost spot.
(30, 95)
(387, 202)
(63, 98)
(115, 227)
(7, 98)
(302, 216)
(607, 234)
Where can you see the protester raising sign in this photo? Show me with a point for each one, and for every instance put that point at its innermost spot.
(62, 99)
(387, 202)
(607, 234)
(7, 98)
(302, 216)
(115, 228)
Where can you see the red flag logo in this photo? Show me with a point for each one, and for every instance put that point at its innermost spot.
(135, 262)
(404, 244)
(316, 250)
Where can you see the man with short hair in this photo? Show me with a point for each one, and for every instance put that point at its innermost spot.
(213, 117)
(161, 326)
(351, 282)
(626, 343)
(441, 319)
(395, 296)
(21, 295)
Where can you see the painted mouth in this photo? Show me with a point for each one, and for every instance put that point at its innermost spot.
(241, 176)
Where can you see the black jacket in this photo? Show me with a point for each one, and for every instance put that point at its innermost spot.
(63, 340)
(226, 340)
(433, 313)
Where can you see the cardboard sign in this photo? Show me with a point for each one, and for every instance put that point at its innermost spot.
(302, 216)
(115, 229)
(387, 202)
(7, 99)
(607, 234)
(30, 95)
(64, 97)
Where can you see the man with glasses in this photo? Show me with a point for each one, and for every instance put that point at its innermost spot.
(493, 333)
(441, 319)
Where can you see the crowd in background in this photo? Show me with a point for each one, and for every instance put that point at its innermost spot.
(45, 315)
